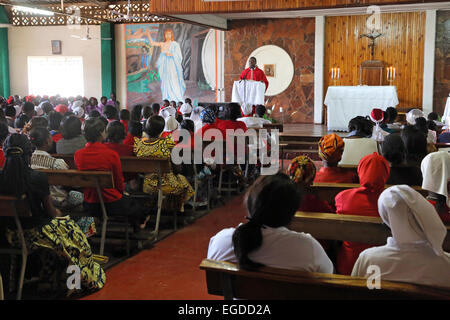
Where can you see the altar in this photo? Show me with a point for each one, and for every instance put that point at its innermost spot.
(346, 102)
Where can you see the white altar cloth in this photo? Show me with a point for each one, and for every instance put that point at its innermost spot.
(346, 102)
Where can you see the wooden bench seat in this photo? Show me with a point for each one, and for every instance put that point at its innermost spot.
(227, 280)
(330, 226)
(143, 165)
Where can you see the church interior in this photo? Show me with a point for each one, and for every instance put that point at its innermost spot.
(224, 149)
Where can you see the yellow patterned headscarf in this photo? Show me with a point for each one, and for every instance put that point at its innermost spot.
(300, 168)
(329, 147)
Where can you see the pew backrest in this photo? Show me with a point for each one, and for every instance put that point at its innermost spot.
(130, 164)
(227, 280)
(330, 226)
(9, 203)
(328, 191)
(82, 179)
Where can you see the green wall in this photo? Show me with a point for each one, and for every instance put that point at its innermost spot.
(108, 59)
(4, 55)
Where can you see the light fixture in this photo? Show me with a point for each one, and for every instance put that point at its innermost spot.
(34, 11)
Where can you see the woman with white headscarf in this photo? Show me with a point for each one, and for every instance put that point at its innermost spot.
(436, 175)
(195, 117)
(414, 253)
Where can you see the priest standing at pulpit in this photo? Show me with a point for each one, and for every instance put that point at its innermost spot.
(249, 97)
(254, 73)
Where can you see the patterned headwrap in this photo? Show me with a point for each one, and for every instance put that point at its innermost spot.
(329, 147)
(208, 116)
(300, 168)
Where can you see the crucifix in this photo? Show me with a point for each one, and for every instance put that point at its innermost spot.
(372, 36)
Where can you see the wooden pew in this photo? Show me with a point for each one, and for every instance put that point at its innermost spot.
(330, 226)
(86, 179)
(16, 208)
(131, 164)
(328, 191)
(227, 280)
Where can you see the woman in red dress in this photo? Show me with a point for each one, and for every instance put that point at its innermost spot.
(331, 148)
(373, 172)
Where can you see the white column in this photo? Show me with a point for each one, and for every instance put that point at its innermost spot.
(318, 68)
(428, 66)
(121, 68)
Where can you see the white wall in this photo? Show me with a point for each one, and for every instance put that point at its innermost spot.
(36, 41)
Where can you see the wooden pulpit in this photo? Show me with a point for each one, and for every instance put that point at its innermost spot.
(371, 73)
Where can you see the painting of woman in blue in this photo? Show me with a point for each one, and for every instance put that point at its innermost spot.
(169, 66)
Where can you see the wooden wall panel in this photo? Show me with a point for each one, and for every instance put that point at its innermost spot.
(401, 46)
(199, 6)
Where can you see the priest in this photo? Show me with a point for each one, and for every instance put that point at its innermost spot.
(254, 73)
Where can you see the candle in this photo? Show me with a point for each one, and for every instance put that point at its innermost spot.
(393, 78)
(339, 72)
(387, 74)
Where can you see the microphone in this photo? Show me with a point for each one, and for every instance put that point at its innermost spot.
(244, 78)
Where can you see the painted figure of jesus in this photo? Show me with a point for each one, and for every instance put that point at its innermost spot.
(169, 67)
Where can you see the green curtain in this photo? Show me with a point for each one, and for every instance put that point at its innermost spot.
(108, 59)
(4, 55)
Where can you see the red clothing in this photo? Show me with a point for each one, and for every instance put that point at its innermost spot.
(257, 75)
(125, 124)
(2, 158)
(98, 157)
(310, 203)
(445, 217)
(121, 149)
(129, 139)
(335, 175)
(373, 171)
(56, 137)
(223, 125)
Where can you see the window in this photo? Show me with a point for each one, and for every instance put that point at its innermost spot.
(55, 75)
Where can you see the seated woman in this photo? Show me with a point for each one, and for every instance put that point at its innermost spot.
(98, 157)
(264, 240)
(394, 151)
(414, 253)
(195, 116)
(436, 180)
(54, 125)
(331, 148)
(416, 145)
(63, 241)
(234, 113)
(358, 143)
(170, 127)
(41, 159)
(373, 172)
(302, 171)
(208, 118)
(134, 131)
(115, 134)
(72, 140)
(422, 126)
(174, 186)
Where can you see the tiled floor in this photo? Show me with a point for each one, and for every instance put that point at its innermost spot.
(170, 269)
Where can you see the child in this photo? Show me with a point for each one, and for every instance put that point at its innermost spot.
(124, 116)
